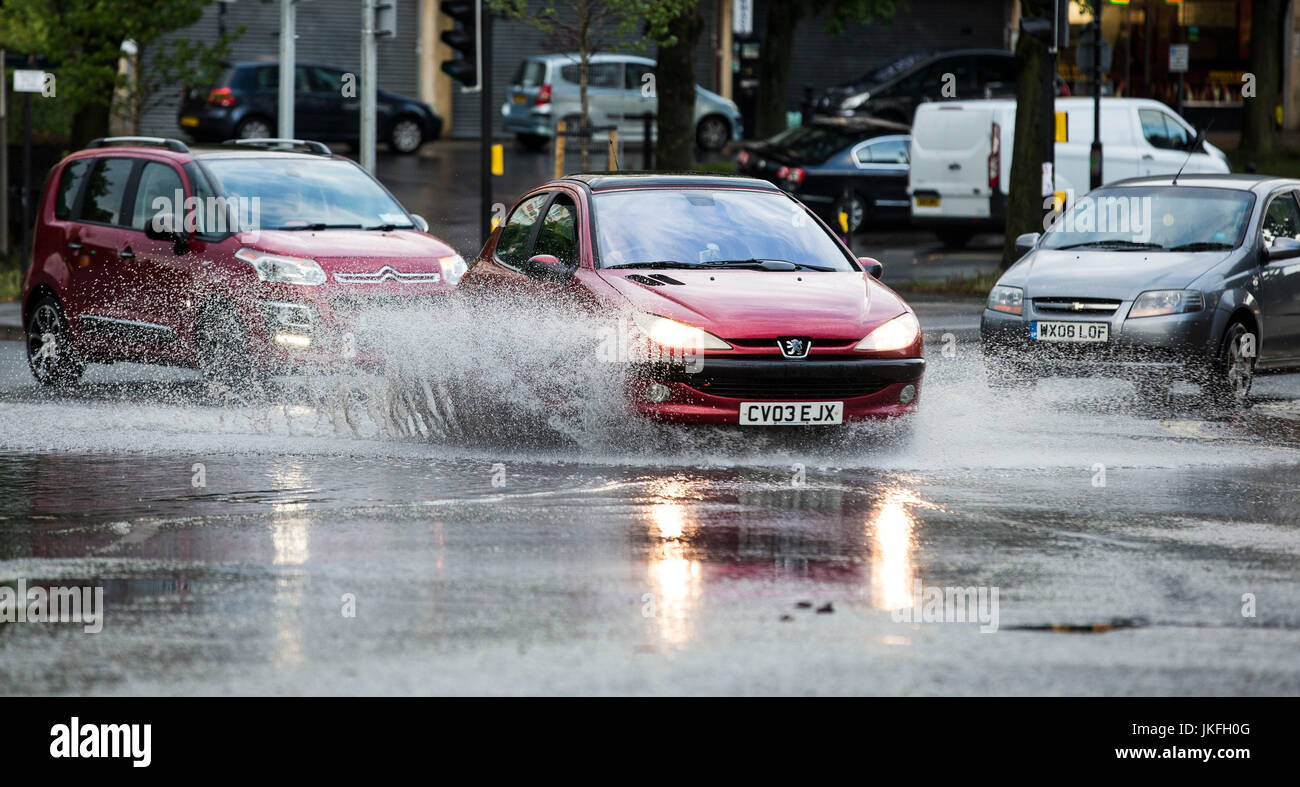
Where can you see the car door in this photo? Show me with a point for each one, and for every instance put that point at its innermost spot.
(606, 94)
(640, 97)
(883, 167)
(160, 287)
(105, 259)
(336, 115)
(308, 117)
(1279, 282)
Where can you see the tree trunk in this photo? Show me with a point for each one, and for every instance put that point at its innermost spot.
(675, 88)
(774, 65)
(1024, 201)
(1257, 120)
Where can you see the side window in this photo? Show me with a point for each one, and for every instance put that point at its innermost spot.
(636, 76)
(70, 182)
(889, 151)
(156, 180)
(1282, 220)
(204, 196)
(268, 77)
(1153, 128)
(559, 233)
(606, 75)
(1178, 137)
(998, 70)
(106, 190)
(512, 246)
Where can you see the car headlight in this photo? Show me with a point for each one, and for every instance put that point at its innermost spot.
(1156, 302)
(453, 268)
(283, 269)
(853, 102)
(897, 334)
(677, 335)
(1006, 299)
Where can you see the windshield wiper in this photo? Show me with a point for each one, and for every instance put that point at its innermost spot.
(655, 264)
(1117, 245)
(1204, 245)
(767, 265)
(320, 226)
(389, 227)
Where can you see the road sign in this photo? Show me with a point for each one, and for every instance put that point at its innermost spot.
(1178, 56)
(1086, 50)
(27, 80)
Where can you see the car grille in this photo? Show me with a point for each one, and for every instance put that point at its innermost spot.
(783, 389)
(1090, 307)
(774, 342)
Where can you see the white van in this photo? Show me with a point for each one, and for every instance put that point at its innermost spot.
(961, 156)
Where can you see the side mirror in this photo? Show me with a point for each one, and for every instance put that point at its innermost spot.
(1282, 249)
(1026, 243)
(872, 266)
(547, 267)
(420, 223)
(160, 228)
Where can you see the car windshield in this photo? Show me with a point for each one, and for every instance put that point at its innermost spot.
(702, 227)
(300, 193)
(813, 144)
(1158, 218)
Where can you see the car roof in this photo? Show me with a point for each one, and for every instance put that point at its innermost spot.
(606, 57)
(607, 181)
(867, 125)
(1235, 181)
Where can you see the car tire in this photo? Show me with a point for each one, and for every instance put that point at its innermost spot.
(533, 143)
(254, 127)
(406, 135)
(954, 239)
(49, 350)
(221, 351)
(1230, 374)
(712, 133)
(856, 207)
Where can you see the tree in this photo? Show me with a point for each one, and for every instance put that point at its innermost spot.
(1024, 199)
(84, 38)
(582, 26)
(777, 52)
(676, 26)
(1257, 118)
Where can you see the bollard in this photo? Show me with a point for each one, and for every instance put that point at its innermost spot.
(559, 148)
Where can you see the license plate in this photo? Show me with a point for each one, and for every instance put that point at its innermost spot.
(520, 98)
(791, 413)
(927, 202)
(1041, 331)
(189, 120)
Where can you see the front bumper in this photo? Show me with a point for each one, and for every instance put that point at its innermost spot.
(870, 388)
(1170, 346)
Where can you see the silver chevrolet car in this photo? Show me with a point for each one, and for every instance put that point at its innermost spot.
(1156, 279)
(620, 89)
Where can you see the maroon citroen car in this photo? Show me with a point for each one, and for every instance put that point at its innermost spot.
(240, 260)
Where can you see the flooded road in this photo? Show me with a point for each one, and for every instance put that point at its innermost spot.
(308, 541)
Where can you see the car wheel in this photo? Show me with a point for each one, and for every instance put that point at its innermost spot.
(712, 133)
(254, 128)
(221, 350)
(49, 350)
(954, 239)
(1229, 375)
(856, 207)
(533, 143)
(406, 135)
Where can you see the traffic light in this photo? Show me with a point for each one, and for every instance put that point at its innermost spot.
(464, 39)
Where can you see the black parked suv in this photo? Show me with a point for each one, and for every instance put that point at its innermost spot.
(892, 93)
(243, 104)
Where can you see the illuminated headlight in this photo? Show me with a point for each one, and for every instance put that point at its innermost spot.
(453, 268)
(897, 334)
(295, 316)
(1006, 299)
(282, 269)
(677, 335)
(1157, 302)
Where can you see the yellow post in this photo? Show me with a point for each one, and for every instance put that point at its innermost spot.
(1062, 128)
(613, 150)
(559, 149)
(498, 160)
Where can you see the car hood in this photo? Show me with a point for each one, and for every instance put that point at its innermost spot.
(741, 304)
(1086, 273)
(354, 250)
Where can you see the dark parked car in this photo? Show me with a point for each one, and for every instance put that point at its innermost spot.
(977, 73)
(856, 165)
(1156, 282)
(243, 104)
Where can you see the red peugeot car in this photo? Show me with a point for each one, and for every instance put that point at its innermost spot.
(250, 258)
(741, 305)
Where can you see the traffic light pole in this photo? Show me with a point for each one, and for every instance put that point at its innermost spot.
(368, 85)
(287, 55)
(485, 120)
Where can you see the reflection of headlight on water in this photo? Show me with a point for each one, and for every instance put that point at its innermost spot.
(893, 543)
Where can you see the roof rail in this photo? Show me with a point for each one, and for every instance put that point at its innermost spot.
(280, 143)
(174, 145)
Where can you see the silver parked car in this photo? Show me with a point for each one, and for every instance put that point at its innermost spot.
(620, 88)
(1192, 278)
